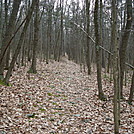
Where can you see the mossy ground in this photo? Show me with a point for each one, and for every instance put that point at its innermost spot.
(32, 71)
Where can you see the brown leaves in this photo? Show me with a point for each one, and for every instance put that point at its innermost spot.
(59, 99)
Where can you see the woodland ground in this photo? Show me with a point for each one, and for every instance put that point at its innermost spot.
(60, 99)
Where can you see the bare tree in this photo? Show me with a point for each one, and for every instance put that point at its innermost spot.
(98, 54)
(8, 74)
(124, 42)
(115, 68)
(36, 38)
(88, 59)
(131, 90)
(8, 34)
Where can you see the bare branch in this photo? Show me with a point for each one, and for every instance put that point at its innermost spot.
(99, 46)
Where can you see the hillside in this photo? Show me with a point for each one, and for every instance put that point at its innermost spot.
(59, 99)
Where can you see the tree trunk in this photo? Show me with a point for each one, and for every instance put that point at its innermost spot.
(98, 54)
(88, 59)
(116, 110)
(36, 38)
(103, 60)
(8, 74)
(7, 58)
(8, 34)
(131, 90)
(6, 15)
(124, 43)
(61, 31)
(1, 22)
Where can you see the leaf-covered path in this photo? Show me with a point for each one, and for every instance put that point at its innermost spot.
(59, 99)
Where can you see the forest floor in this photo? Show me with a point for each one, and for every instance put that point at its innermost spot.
(60, 99)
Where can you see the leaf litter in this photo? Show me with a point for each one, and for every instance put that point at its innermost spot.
(60, 99)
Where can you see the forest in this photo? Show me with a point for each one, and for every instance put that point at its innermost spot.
(66, 66)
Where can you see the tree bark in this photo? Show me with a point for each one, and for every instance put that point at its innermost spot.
(131, 90)
(8, 74)
(8, 34)
(88, 59)
(61, 31)
(116, 100)
(49, 32)
(98, 54)
(124, 43)
(36, 38)
(1, 23)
